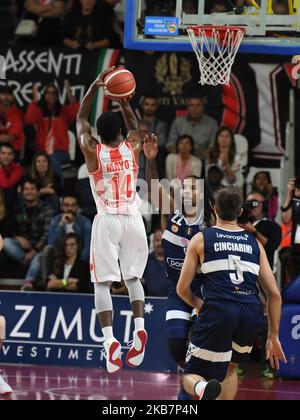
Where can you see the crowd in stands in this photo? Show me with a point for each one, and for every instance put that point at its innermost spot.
(47, 227)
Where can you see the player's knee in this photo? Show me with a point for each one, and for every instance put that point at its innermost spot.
(103, 301)
(2, 328)
(178, 349)
(135, 289)
(231, 369)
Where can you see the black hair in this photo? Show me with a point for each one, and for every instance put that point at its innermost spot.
(7, 89)
(108, 127)
(266, 173)
(229, 202)
(150, 95)
(29, 180)
(70, 195)
(8, 146)
(190, 138)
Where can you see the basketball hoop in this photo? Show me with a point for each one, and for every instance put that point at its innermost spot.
(216, 48)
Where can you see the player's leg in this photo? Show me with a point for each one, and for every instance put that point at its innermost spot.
(210, 350)
(4, 387)
(230, 384)
(133, 260)
(104, 270)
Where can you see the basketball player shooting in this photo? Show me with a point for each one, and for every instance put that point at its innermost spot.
(118, 234)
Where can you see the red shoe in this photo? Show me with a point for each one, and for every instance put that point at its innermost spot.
(113, 355)
(135, 355)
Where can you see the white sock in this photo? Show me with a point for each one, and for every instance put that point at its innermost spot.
(107, 332)
(139, 324)
(199, 388)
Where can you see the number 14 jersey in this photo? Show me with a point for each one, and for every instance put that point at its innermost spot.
(231, 266)
(114, 183)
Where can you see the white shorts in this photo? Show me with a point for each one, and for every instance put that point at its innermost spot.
(118, 239)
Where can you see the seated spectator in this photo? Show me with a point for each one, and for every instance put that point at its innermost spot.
(196, 124)
(11, 121)
(262, 182)
(51, 120)
(223, 154)
(291, 213)
(47, 14)
(10, 174)
(183, 163)
(214, 179)
(89, 26)
(149, 113)
(155, 275)
(69, 221)
(266, 231)
(29, 232)
(49, 184)
(69, 273)
(86, 200)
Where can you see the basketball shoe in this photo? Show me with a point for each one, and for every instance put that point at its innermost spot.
(208, 391)
(5, 389)
(135, 355)
(113, 355)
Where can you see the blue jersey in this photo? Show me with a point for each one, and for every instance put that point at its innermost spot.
(231, 266)
(176, 239)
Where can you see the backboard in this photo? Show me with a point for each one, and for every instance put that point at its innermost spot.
(266, 32)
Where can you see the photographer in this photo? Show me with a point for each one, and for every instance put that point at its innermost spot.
(291, 213)
(267, 232)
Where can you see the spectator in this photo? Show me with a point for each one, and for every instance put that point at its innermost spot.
(155, 276)
(149, 112)
(223, 154)
(220, 6)
(10, 174)
(69, 273)
(11, 121)
(267, 232)
(262, 182)
(214, 178)
(69, 221)
(198, 125)
(291, 213)
(52, 120)
(49, 184)
(183, 163)
(281, 8)
(47, 14)
(89, 26)
(29, 232)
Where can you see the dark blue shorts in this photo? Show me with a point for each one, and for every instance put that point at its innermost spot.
(179, 313)
(224, 332)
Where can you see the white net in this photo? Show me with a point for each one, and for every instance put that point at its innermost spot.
(216, 49)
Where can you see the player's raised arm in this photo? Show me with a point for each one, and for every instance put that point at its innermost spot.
(158, 195)
(189, 270)
(274, 350)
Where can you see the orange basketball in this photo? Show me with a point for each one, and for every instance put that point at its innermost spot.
(119, 84)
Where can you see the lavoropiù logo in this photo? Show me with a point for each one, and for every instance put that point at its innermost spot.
(175, 263)
(233, 237)
(296, 69)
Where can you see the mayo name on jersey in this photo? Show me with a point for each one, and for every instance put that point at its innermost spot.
(231, 266)
(114, 183)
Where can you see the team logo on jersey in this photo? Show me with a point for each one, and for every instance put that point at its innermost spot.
(175, 228)
(175, 263)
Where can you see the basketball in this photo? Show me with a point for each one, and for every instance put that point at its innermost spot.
(119, 84)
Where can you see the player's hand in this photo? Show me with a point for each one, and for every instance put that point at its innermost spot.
(274, 352)
(100, 79)
(291, 186)
(66, 218)
(150, 146)
(72, 284)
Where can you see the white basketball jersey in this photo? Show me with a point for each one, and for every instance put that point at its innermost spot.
(114, 183)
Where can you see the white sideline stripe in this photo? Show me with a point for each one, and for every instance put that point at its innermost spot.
(178, 315)
(175, 239)
(223, 265)
(241, 350)
(212, 356)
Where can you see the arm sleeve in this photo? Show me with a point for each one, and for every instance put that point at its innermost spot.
(55, 231)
